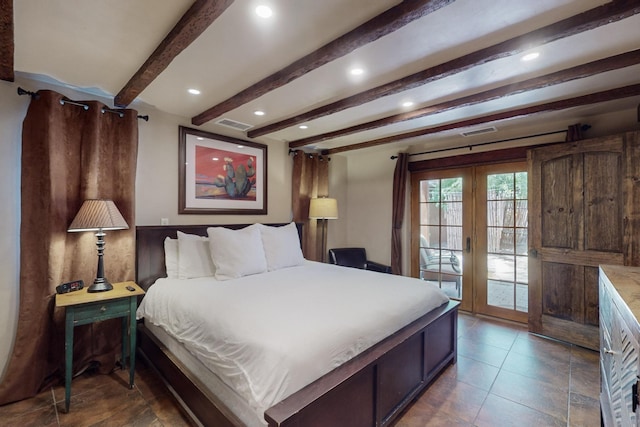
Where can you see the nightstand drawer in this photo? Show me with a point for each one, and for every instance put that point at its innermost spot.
(101, 310)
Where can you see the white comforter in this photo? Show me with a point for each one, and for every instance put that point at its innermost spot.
(269, 335)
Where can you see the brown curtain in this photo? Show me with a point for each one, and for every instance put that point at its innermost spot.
(399, 190)
(310, 178)
(69, 154)
(574, 133)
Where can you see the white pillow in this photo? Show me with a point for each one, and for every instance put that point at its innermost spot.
(171, 257)
(194, 257)
(236, 253)
(281, 246)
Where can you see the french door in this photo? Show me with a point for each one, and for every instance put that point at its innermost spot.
(442, 227)
(469, 236)
(501, 262)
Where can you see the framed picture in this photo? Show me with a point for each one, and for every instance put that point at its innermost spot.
(221, 175)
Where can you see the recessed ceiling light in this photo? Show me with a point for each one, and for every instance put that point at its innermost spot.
(194, 91)
(303, 127)
(215, 159)
(264, 11)
(407, 104)
(357, 71)
(531, 56)
(199, 138)
(259, 113)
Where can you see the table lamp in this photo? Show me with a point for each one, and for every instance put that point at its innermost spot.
(98, 215)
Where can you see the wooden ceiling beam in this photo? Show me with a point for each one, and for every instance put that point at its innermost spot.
(7, 46)
(193, 23)
(379, 26)
(593, 18)
(594, 98)
(579, 72)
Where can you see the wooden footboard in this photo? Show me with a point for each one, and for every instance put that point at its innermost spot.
(373, 388)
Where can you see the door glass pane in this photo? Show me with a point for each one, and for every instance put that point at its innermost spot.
(522, 298)
(451, 238)
(500, 186)
(452, 212)
(500, 294)
(500, 267)
(430, 236)
(500, 212)
(451, 189)
(493, 239)
(507, 265)
(430, 191)
(522, 269)
(522, 213)
(522, 241)
(521, 186)
(441, 234)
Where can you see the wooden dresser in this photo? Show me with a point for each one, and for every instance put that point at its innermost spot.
(619, 348)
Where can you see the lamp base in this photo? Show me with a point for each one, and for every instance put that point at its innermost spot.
(100, 285)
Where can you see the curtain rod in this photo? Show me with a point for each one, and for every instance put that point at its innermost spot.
(584, 127)
(26, 92)
(63, 101)
(121, 114)
(320, 155)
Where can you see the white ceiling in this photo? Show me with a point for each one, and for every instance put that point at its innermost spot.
(99, 45)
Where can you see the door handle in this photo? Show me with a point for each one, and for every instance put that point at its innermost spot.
(468, 244)
(634, 395)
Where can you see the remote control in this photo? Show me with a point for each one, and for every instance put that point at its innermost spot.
(130, 288)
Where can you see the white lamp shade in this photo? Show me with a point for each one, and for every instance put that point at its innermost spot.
(97, 214)
(323, 208)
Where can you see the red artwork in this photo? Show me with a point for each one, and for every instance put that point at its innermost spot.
(224, 174)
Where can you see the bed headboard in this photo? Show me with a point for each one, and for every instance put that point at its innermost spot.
(150, 264)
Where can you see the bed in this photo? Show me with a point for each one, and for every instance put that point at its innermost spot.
(363, 384)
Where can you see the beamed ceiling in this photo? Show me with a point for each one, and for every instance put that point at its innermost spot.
(458, 61)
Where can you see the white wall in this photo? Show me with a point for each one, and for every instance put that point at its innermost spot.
(369, 197)
(156, 186)
(157, 176)
(337, 228)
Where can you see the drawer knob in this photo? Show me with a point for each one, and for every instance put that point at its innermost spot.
(103, 309)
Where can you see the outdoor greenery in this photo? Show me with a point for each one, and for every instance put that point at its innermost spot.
(500, 186)
(507, 185)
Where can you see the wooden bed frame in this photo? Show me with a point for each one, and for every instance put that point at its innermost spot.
(371, 389)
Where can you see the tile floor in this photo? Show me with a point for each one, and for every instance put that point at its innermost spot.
(100, 400)
(504, 377)
(508, 377)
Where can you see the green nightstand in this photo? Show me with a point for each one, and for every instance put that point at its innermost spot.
(83, 307)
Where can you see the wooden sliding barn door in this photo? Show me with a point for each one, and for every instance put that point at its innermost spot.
(583, 213)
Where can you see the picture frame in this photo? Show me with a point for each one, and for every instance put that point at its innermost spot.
(221, 175)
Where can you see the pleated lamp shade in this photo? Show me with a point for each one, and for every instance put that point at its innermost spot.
(97, 214)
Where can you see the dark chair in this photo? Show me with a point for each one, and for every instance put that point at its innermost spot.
(357, 258)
